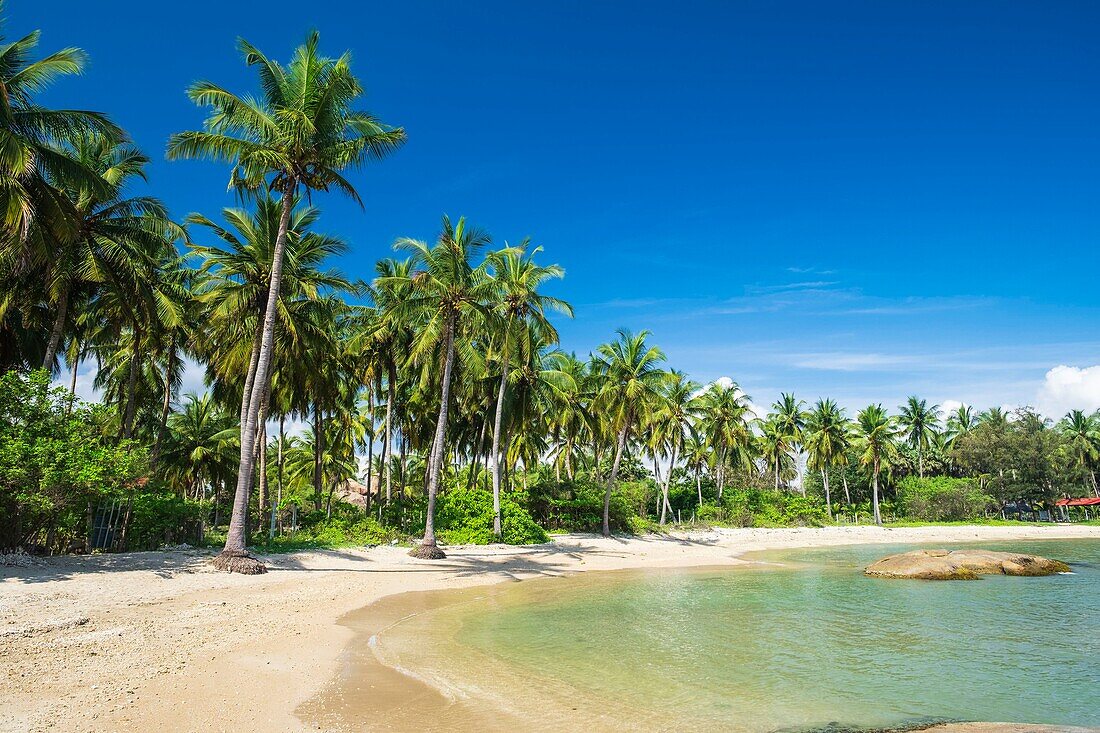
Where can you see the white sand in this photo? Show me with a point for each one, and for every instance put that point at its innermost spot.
(159, 641)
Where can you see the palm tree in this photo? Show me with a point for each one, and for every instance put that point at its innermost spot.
(960, 422)
(725, 420)
(678, 407)
(34, 167)
(200, 450)
(1082, 433)
(790, 419)
(302, 133)
(697, 453)
(775, 446)
(446, 292)
(630, 378)
(826, 439)
(877, 435)
(920, 423)
(519, 304)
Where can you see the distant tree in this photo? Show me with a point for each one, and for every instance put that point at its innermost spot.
(878, 433)
(920, 423)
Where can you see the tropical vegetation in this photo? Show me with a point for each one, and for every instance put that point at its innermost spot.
(432, 403)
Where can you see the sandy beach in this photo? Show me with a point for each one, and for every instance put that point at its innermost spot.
(159, 641)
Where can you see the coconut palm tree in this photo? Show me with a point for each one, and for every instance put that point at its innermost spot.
(725, 420)
(775, 447)
(630, 379)
(878, 433)
(35, 168)
(697, 453)
(919, 422)
(300, 134)
(116, 238)
(790, 419)
(200, 451)
(519, 304)
(826, 439)
(677, 408)
(446, 294)
(960, 422)
(1082, 433)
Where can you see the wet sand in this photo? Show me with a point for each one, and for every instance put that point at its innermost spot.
(159, 641)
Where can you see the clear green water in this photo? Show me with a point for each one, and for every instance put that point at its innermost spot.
(808, 645)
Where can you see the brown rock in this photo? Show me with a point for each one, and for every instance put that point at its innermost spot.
(961, 565)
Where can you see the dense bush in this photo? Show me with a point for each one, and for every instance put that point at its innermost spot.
(751, 507)
(942, 498)
(577, 506)
(163, 518)
(55, 463)
(465, 517)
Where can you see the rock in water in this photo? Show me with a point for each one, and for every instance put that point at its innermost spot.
(961, 565)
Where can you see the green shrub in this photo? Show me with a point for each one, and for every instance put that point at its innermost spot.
(750, 507)
(942, 499)
(580, 509)
(465, 517)
(162, 518)
(55, 463)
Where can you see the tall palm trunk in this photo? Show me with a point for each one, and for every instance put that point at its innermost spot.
(874, 488)
(387, 449)
(58, 329)
(828, 500)
(72, 383)
(318, 455)
(428, 550)
(699, 482)
(847, 496)
(165, 406)
(131, 387)
(235, 555)
(668, 477)
(498, 421)
(620, 446)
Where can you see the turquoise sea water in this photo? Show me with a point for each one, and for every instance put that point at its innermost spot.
(811, 644)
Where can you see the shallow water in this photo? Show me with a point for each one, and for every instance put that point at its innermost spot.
(805, 645)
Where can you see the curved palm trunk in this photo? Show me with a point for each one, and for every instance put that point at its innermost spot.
(874, 488)
(498, 421)
(668, 480)
(428, 550)
(165, 406)
(387, 449)
(234, 556)
(131, 388)
(58, 329)
(620, 445)
(828, 499)
(318, 456)
(847, 496)
(699, 483)
(72, 386)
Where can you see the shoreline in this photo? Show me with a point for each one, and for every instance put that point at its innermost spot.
(167, 643)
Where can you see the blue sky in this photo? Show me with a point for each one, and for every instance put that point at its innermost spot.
(860, 200)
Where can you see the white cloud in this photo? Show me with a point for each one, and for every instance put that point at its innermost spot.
(1066, 388)
(852, 361)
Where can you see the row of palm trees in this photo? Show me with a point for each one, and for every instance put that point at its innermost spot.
(446, 362)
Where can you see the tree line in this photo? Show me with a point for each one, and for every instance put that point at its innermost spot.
(444, 371)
